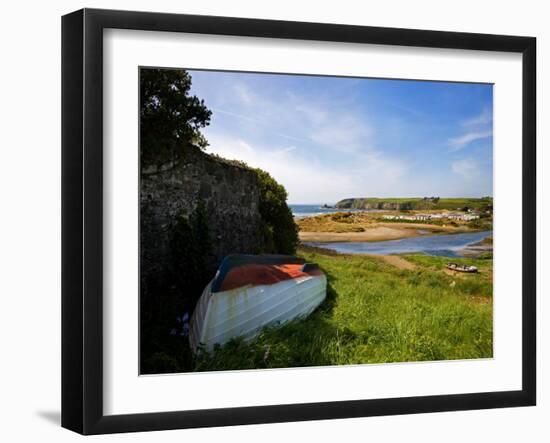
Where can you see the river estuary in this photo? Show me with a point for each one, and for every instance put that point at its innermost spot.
(447, 245)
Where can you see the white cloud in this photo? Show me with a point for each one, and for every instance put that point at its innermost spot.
(321, 120)
(321, 148)
(333, 125)
(477, 127)
(309, 181)
(306, 181)
(484, 118)
(464, 140)
(344, 133)
(244, 93)
(315, 114)
(379, 166)
(467, 168)
(257, 121)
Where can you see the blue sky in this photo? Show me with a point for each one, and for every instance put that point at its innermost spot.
(329, 138)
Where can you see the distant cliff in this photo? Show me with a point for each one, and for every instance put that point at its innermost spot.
(409, 204)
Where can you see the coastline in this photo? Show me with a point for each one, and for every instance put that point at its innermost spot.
(363, 233)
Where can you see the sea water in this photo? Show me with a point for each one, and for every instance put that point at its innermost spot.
(447, 245)
(312, 210)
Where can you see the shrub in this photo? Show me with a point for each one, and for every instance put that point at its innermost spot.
(343, 217)
(279, 230)
(191, 251)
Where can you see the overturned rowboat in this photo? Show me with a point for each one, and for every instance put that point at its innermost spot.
(251, 292)
(461, 268)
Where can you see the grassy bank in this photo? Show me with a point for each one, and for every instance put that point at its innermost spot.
(364, 222)
(376, 313)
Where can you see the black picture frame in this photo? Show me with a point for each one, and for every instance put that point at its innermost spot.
(82, 218)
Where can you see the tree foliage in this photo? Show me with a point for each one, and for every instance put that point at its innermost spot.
(279, 230)
(191, 251)
(170, 118)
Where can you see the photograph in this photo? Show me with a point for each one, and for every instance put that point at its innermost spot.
(290, 220)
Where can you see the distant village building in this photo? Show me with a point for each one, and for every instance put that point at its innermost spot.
(463, 217)
(426, 217)
(421, 217)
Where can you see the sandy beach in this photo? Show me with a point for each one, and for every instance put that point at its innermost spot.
(379, 232)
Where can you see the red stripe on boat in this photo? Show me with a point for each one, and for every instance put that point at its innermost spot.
(262, 275)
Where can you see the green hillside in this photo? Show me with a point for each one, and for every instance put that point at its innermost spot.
(419, 203)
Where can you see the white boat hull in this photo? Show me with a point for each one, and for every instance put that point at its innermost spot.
(245, 311)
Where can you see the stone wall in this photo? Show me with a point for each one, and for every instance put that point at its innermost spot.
(228, 190)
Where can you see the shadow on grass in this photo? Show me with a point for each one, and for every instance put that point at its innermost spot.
(300, 342)
(311, 341)
(330, 301)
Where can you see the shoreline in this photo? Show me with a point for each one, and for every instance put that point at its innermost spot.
(380, 232)
(480, 246)
(396, 259)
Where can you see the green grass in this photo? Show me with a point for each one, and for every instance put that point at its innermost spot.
(376, 313)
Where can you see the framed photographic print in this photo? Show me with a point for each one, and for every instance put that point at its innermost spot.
(269, 221)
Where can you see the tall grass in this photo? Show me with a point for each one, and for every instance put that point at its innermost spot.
(376, 313)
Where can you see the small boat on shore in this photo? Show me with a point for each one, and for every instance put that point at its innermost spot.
(461, 268)
(250, 292)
